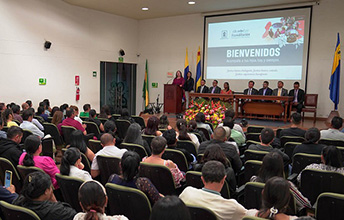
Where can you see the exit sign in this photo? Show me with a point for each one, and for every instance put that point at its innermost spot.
(42, 81)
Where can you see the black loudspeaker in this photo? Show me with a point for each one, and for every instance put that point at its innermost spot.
(121, 52)
(47, 44)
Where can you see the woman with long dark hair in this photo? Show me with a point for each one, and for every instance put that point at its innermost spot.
(78, 141)
(184, 135)
(71, 165)
(178, 80)
(152, 127)
(171, 208)
(188, 87)
(134, 136)
(7, 117)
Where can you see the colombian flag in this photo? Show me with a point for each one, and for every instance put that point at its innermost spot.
(186, 66)
(145, 94)
(335, 76)
(198, 69)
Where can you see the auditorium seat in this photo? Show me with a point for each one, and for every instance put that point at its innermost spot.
(251, 168)
(254, 129)
(94, 145)
(122, 127)
(148, 138)
(255, 154)
(177, 157)
(139, 120)
(51, 129)
(26, 170)
(48, 147)
(108, 166)
(253, 137)
(200, 213)
(187, 145)
(84, 160)
(329, 206)
(332, 142)
(278, 132)
(205, 132)
(286, 139)
(310, 105)
(140, 150)
(103, 120)
(301, 160)
(7, 165)
(26, 133)
(14, 212)
(92, 128)
(289, 148)
(66, 133)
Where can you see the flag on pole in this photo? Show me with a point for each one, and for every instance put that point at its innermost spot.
(198, 69)
(335, 76)
(186, 66)
(145, 94)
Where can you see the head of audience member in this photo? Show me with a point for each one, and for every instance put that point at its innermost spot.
(76, 110)
(178, 74)
(105, 111)
(7, 115)
(296, 118)
(44, 105)
(33, 147)
(63, 107)
(296, 85)
(78, 140)
(40, 110)
(215, 152)
(158, 145)
(107, 140)
(29, 102)
(16, 109)
(70, 113)
(92, 113)
(203, 82)
(71, 157)
(170, 207)
(2, 106)
(92, 198)
(215, 82)
(189, 75)
(272, 166)
(229, 113)
(163, 121)
(280, 84)
(275, 198)
(192, 126)
(213, 175)
(200, 117)
(171, 137)
(110, 127)
(125, 113)
(57, 117)
(228, 132)
(152, 126)
(86, 107)
(130, 163)
(250, 84)
(265, 84)
(27, 115)
(25, 106)
(219, 134)
(182, 129)
(312, 136)
(266, 136)
(54, 109)
(332, 156)
(229, 122)
(336, 122)
(226, 86)
(15, 134)
(134, 134)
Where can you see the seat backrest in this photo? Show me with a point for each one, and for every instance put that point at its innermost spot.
(187, 145)
(160, 176)
(255, 155)
(286, 139)
(342, 152)
(116, 116)
(26, 133)
(103, 120)
(329, 206)
(122, 127)
(253, 137)
(311, 100)
(24, 171)
(14, 212)
(289, 148)
(339, 143)
(148, 138)
(199, 137)
(139, 120)
(254, 129)
(249, 142)
(94, 145)
(70, 187)
(107, 166)
(86, 162)
(51, 129)
(127, 201)
(93, 128)
(251, 168)
(136, 148)
(48, 145)
(7, 165)
(177, 157)
(39, 118)
(278, 132)
(301, 160)
(201, 213)
(66, 133)
(314, 182)
(205, 132)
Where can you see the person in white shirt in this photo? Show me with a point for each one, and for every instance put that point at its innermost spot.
(28, 125)
(109, 149)
(71, 165)
(182, 133)
(76, 113)
(213, 177)
(333, 132)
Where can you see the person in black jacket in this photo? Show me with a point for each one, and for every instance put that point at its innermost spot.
(203, 88)
(188, 87)
(9, 147)
(250, 90)
(299, 96)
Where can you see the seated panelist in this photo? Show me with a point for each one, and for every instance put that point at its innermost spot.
(203, 88)
(250, 90)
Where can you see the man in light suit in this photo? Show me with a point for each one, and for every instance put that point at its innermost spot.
(280, 91)
(250, 90)
(299, 96)
(203, 88)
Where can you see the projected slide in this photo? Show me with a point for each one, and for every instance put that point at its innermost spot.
(265, 48)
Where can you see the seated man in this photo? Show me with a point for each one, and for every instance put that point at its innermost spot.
(94, 119)
(237, 136)
(294, 129)
(333, 132)
(266, 138)
(265, 90)
(250, 90)
(16, 112)
(200, 120)
(109, 149)
(280, 91)
(9, 147)
(299, 97)
(219, 137)
(85, 113)
(215, 89)
(229, 113)
(310, 146)
(70, 121)
(28, 125)
(213, 178)
(203, 88)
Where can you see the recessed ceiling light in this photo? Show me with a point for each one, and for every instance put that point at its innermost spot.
(191, 3)
(144, 9)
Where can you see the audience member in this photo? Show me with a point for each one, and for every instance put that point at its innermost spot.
(54, 109)
(109, 149)
(229, 140)
(63, 108)
(57, 119)
(110, 127)
(7, 117)
(2, 107)
(237, 136)
(47, 107)
(203, 88)
(188, 87)
(171, 208)
(93, 200)
(76, 113)
(152, 127)
(35, 121)
(16, 112)
(192, 128)
(333, 132)
(105, 112)
(8, 194)
(78, 141)
(37, 195)
(310, 146)
(40, 112)
(213, 177)
(158, 146)
(69, 121)
(93, 118)
(25, 106)
(200, 120)
(28, 125)
(230, 151)
(126, 116)
(71, 165)
(85, 113)
(229, 113)
(130, 163)
(134, 136)
(31, 157)
(3, 134)
(265, 90)
(9, 147)
(299, 97)
(294, 129)
(182, 133)
(250, 90)
(179, 79)
(164, 123)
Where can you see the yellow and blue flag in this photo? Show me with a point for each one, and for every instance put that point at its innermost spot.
(145, 94)
(335, 76)
(198, 69)
(186, 66)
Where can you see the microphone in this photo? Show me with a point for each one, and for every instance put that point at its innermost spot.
(169, 81)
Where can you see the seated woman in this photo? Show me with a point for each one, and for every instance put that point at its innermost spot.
(71, 165)
(57, 119)
(130, 163)
(182, 133)
(110, 127)
(164, 123)
(105, 112)
(126, 116)
(37, 195)
(152, 127)
(226, 90)
(310, 146)
(331, 160)
(78, 141)
(192, 128)
(171, 208)
(93, 118)
(93, 200)
(158, 146)
(7, 117)
(134, 136)
(31, 157)
(273, 166)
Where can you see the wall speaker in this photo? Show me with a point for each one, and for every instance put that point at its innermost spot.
(47, 45)
(121, 52)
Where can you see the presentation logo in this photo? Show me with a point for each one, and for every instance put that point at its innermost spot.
(224, 34)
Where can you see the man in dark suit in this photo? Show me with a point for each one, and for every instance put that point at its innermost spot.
(250, 90)
(203, 88)
(215, 88)
(265, 90)
(299, 97)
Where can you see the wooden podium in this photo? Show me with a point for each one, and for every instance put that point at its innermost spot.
(172, 98)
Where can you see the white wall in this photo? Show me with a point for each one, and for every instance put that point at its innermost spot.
(81, 38)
